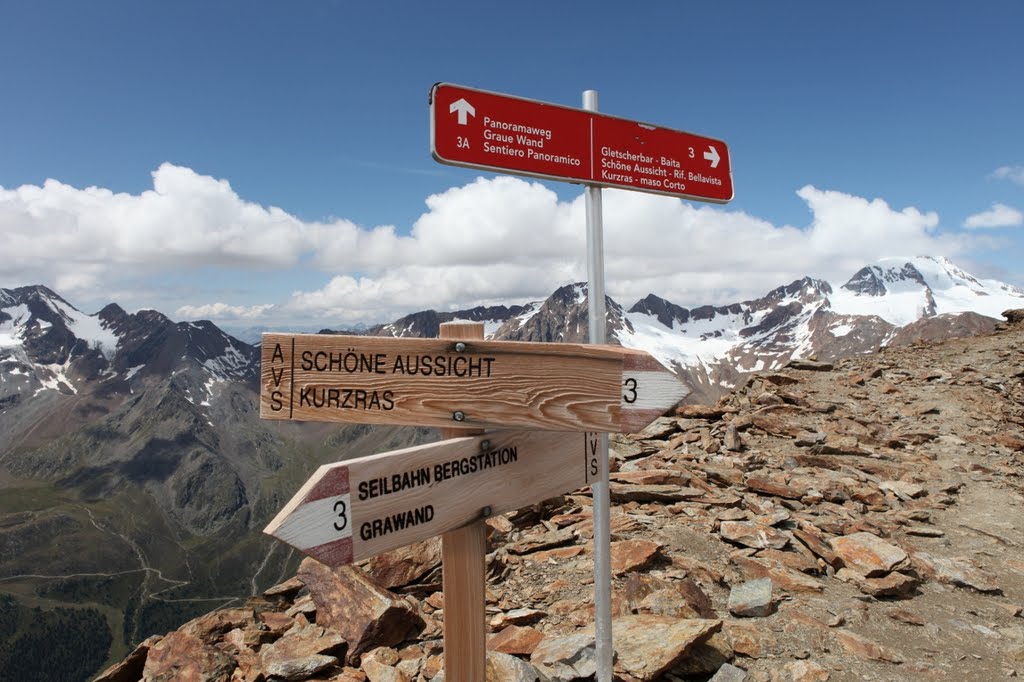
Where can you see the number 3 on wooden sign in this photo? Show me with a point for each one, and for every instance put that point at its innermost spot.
(342, 512)
(630, 395)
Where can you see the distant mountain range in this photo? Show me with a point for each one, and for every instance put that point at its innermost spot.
(894, 301)
(134, 465)
(49, 348)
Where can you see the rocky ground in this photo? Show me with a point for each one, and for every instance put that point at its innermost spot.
(856, 521)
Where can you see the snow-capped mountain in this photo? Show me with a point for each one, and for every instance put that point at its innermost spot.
(561, 318)
(896, 300)
(47, 343)
(63, 371)
(904, 290)
(812, 318)
(427, 323)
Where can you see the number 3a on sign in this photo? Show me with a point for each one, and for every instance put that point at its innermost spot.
(463, 143)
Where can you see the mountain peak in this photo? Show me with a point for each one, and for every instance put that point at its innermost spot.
(805, 290)
(902, 290)
(571, 294)
(668, 313)
(427, 323)
(873, 279)
(563, 317)
(36, 291)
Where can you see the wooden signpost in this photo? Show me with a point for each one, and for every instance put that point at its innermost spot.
(356, 509)
(463, 384)
(464, 567)
(482, 384)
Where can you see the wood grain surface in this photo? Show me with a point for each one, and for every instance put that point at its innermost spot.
(432, 382)
(360, 503)
(464, 567)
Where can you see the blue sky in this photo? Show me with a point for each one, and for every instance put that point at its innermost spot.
(268, 163)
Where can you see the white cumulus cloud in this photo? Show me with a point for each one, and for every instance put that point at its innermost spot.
(1000, 215)
(1014, 174)
(224, 312)
(496, 240)
(506, 239)
(77, 237)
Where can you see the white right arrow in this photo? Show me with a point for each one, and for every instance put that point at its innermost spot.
(712, 156)
(464, 108)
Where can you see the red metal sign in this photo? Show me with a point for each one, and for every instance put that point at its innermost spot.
(491, 131)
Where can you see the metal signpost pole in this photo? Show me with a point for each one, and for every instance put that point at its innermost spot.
(602, 502)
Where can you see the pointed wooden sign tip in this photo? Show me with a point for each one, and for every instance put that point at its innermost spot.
(649, 390)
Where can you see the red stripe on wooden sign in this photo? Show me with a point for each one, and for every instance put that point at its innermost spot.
(334, 483)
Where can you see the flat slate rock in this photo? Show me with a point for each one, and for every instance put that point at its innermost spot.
(729, 673)
(810, 365)
(752, 599)
(348, 602)
(868, 554)
(957, 572)
(647, 646)
(754, 535)
(626, 492)
(567, 657)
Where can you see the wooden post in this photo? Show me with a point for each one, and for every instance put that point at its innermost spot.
(463, 553)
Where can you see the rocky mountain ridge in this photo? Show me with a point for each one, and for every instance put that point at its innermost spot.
(712, 347)
(45, 343)
(822, 522)
(135, 475)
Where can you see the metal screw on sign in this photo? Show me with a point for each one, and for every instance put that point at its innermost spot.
(459, 416)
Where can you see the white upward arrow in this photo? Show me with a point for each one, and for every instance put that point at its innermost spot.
(712, 156)
(463, 107)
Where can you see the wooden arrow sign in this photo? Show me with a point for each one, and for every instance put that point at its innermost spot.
(353, 510)
(484, 384)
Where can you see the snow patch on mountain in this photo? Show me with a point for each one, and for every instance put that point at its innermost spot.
(55, 377)
(530, 311)
(12, 330)
(490, 326)
(232, 363)
(580, 292)
(92, 330)
(691, 345)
